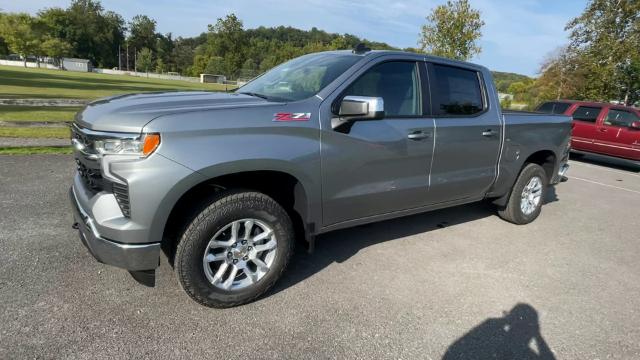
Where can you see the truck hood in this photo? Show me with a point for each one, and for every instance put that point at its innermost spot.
(129, 113)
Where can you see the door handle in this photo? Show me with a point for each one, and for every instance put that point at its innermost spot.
(602, 129)
(418, 135)
(488, 133)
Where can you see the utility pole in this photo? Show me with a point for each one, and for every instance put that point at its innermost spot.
(119, 59)
(127, 57)
(135, 60)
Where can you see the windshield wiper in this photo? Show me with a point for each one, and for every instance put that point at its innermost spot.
(254, 94)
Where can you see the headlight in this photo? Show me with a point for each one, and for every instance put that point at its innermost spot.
(142, 147)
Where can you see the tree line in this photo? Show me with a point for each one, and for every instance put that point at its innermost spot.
(601, 61)
(86, 30)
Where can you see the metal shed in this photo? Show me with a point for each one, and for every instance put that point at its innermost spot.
(72, 64)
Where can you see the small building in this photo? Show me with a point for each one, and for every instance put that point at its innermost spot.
(210, 78)
(72, 64)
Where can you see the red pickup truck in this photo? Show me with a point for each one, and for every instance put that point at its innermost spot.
(600, 128)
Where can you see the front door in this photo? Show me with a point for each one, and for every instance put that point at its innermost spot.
(468, 135)
(377, 166)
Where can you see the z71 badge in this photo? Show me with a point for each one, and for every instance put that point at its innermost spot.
(291, 116)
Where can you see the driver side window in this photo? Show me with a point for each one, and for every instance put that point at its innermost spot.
(396, 82)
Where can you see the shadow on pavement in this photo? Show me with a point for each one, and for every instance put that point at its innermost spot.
(338, 246)
(516, 335)
(611, 162)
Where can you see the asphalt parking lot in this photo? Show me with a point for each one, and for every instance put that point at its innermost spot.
(458, 283)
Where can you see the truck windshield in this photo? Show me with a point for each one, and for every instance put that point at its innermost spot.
(299, 78)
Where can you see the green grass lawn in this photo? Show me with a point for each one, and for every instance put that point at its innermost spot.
(35, 132)
(17, 82)
(37, 113)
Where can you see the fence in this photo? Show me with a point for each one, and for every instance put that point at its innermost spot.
(44, 65)
(29, 64)
(146, 75)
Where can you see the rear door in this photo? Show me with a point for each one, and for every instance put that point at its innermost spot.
(615, 135)
(468, 135)
(585, 120)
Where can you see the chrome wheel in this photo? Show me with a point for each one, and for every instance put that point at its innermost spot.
(240, 254)
(531, 196)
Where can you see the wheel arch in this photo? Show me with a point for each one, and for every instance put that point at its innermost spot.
(290, 189)
(547, 159)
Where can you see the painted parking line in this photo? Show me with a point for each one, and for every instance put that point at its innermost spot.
(572, 163)
(606, 185)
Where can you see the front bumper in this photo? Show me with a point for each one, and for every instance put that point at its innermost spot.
(133, 257)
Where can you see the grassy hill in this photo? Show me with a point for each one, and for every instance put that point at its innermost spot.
(504, 79)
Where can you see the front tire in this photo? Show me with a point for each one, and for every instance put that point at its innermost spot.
(527, 196)
(234, 250)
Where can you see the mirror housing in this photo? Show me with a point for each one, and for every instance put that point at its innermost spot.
(635, 125)
(362, 107)
(354, 108)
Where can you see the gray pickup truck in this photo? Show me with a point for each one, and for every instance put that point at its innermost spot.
(224, 183)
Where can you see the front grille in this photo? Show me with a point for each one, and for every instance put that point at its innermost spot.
(88, 165)
(91, 177)
(121, 192)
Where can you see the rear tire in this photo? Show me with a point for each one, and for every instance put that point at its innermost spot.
(220, 264)
(527, 196)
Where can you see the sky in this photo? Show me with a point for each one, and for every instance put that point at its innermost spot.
(517, 35)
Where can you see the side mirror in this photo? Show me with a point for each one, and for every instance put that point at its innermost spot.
(635, 125)
(354, 108)
(362, 107)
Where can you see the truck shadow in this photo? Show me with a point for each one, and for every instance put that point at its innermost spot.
(340, 245)
(610, 162)
(515, 335)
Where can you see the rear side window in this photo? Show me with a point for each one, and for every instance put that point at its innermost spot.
(586, 113)
(622, 118)
(455, 91)
(553, 107)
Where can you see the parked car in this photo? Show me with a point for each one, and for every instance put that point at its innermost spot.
(224, 183)
(601, 128)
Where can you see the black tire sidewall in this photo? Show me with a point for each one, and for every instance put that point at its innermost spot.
(526, 175)
(220, 213)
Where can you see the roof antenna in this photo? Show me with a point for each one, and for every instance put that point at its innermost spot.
(361, 49)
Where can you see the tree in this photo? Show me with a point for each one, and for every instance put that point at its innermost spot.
(56, 21)
(55, 48)
(160, 66)
(19, 31)
(227, 40)
(452, 30)
(249, 69)
(164, 47)
(142, 32)
(93, 32)
(145, 59)
(182, 55)
(340, 43)
(606, 36)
